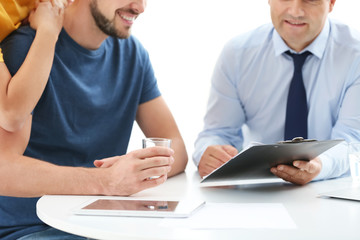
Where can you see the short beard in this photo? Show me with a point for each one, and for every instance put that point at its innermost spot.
(105, 25)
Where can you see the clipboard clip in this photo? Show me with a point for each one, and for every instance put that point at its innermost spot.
(298, 140)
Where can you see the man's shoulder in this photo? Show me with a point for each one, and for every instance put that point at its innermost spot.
(24, 33)
(344, 35)
(16, 46)
(254, 39)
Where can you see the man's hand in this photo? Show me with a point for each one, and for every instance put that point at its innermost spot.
(302, 172)
(215, 156)
(131, 173)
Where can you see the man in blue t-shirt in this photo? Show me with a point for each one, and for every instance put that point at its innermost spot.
(101, 81)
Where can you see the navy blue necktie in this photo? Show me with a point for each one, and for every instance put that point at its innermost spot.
(296, 108)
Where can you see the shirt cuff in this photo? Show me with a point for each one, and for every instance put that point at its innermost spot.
(335, 163)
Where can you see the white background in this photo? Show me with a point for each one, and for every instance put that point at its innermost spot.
(184, 39)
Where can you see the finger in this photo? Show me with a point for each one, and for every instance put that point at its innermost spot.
(107, 162)
(310, 167)
(157, 171)
(290, 170)
(102, 164)
(209, 166)
(282, 175)
(230, 150)
(214, 163)
(220, 156)
(152, 182)
(291, 174)
(153, 151)
(146, 183)
(205, 170)
(155, 162)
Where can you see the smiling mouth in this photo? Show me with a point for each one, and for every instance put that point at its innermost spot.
(295, 23)
(127, 18)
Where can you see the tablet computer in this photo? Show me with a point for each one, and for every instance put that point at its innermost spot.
(138, 207)
(350, 193)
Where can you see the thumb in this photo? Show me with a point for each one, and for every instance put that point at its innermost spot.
(98, 163)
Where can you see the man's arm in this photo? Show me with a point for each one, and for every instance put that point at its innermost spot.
(155, 120)
(22, 176)
(215, 156)
(334, 162)
(221, 137)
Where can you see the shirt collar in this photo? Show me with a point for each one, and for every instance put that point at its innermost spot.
(317, 47)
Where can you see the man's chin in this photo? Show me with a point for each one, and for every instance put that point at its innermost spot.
(123, 35)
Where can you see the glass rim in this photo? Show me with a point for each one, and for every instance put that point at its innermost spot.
(157, 139)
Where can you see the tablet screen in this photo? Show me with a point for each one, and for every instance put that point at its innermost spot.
(138, 207)
(132, 205)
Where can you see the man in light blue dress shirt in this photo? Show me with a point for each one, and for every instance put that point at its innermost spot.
(251, 82)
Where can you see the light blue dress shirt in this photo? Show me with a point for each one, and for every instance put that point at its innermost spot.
(251, 81)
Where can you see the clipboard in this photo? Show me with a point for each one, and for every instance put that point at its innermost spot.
(253, 165)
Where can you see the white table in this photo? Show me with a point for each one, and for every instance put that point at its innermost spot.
(315, 217)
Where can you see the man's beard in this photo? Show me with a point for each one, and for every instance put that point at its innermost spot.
(105, 25)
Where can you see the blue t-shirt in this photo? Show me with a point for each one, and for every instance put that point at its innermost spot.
(85, 113)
